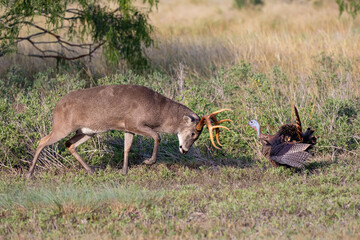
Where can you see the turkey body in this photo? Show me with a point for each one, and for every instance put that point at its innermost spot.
(289, 146)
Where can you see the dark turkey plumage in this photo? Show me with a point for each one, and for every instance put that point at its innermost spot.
(289, 146)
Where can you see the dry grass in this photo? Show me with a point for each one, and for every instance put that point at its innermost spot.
(288, 35)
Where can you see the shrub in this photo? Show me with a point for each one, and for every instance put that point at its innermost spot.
(247, 3)
(26, 113)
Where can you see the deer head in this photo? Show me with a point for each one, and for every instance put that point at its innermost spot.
(188, 135)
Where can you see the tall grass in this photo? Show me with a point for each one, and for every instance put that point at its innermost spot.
(288, 35)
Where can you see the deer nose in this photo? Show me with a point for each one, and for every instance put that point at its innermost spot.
(182, 150)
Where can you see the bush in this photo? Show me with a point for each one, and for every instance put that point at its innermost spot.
(26, 114)
(248, 3)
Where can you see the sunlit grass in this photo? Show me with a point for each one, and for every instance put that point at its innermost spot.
(288, 35)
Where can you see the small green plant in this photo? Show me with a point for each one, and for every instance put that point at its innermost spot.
(350, 6)
(248, 3)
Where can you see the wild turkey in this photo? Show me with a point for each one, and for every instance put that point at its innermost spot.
(289, 146)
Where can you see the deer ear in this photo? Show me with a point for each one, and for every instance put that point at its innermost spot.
(188, 119)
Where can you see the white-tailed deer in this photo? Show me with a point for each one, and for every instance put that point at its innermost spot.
(130, 108)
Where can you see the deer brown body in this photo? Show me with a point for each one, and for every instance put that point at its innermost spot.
(130, 108)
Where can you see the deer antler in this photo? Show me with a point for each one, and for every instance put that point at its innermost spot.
(207, 120)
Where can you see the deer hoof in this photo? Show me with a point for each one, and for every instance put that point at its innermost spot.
(149, 161)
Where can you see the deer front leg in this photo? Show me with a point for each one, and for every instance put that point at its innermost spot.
(148, 132)
(128, 141)
(157, 140)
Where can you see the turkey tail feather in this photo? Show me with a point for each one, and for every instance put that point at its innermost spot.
(298, 123)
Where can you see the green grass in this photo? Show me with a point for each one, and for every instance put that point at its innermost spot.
(177, 201)
(207, 194)
(332, 110)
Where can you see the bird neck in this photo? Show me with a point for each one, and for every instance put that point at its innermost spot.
(258, 131)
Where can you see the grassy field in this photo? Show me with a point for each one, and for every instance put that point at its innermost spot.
(260, 62)
(178, 201)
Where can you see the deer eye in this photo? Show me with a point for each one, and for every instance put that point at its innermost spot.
(193, 134)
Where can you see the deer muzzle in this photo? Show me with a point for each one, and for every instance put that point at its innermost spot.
(182, 150)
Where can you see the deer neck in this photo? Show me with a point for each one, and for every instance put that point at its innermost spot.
(174, 122)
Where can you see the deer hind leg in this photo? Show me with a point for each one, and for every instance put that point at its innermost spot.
(52, 138)
(75, 141)
(128, 141)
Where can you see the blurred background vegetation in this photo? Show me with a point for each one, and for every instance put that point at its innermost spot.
(259, 58)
